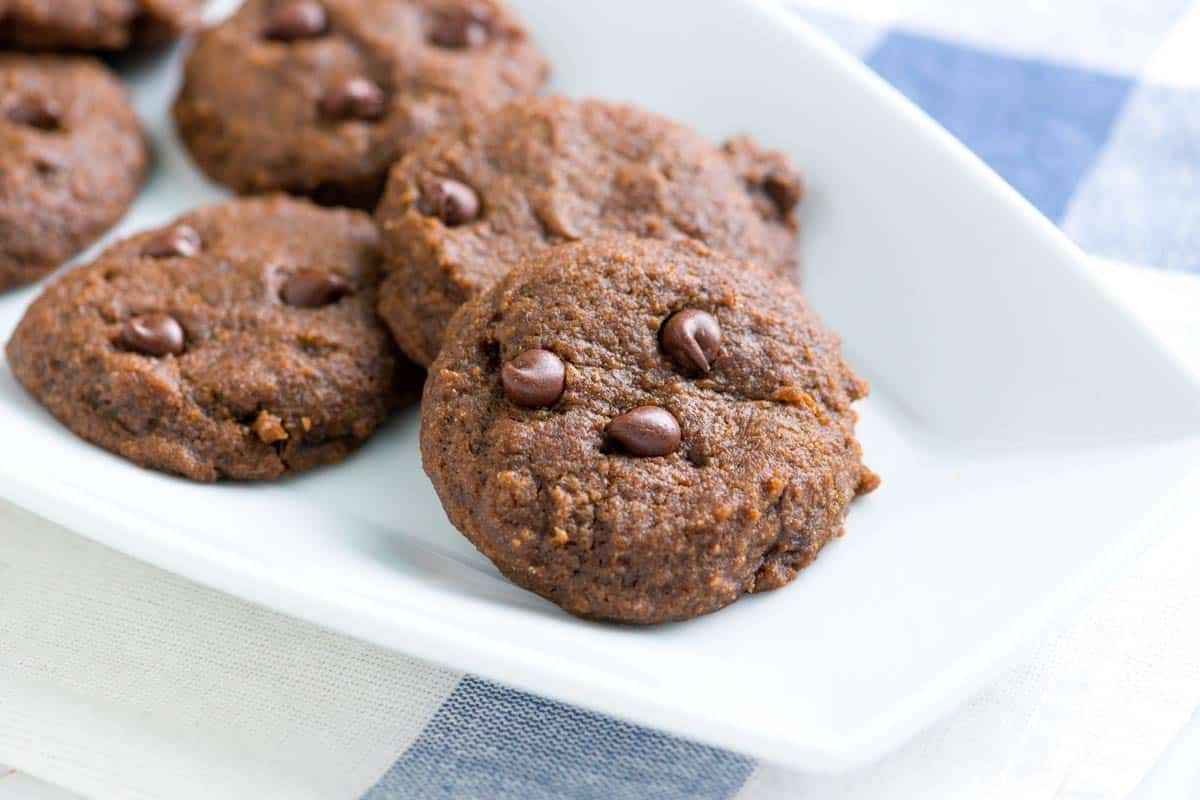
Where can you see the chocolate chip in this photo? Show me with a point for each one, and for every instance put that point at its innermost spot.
(296, 19)
(646, 431)
(181, 241)
(535, 379)
(785, 189)
(313, 288)
(691, 338)
(462, 28)
(451, 201)
(153, 335)
(35, 112)
(353, 98)
(47, 164)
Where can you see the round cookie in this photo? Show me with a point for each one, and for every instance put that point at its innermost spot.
(72, 158)
(319, 97)
(465, 205)
(95, 24)
(643, 431)
(240, 342)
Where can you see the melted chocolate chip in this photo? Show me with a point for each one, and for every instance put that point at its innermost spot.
(296, 19)
(181, 241)
(646, 431)
(451, 201)
(35, 112)
(462, 28)
(153, 334)
(46, 166)
(313, 288)
(692, 339)
(534, 379)
(353, 98)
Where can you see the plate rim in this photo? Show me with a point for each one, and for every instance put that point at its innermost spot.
(349, 614)
(89, 516)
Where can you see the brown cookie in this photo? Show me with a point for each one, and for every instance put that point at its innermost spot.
(319, 97)
(643, 431)
(240, 342)
(464, 205)
(769, 176)
(95, 24)
(72, 159)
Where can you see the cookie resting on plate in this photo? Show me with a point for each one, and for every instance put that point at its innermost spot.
(72, 158)
(319, 97)
(239, 342)
(643, 431)
(95, 24)
(466, 204)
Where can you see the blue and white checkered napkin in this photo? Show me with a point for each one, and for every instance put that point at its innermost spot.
(1091, 109)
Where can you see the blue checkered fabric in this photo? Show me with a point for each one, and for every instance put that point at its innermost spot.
(1091, 109)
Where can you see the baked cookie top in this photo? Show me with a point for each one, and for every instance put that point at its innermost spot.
(95, 24)
(643, 431)
(239, 342)
(319, 97)
(464, 205)
(72, 158)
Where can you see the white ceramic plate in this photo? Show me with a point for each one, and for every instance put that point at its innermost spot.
(1029, 432)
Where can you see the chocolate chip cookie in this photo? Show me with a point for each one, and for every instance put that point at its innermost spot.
(240, 342)
(464, 205)
(319, 97)
(72, 158)
(643, 431)
(95, 24)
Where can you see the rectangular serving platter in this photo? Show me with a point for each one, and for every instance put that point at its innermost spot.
(1030, 433)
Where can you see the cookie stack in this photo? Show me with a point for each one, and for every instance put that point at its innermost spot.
(629, 407)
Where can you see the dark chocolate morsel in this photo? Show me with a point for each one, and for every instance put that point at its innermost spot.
(785, 190)
(451, 201)
(36, 112)
(646, 431)
(154, 334)
(180, 241)
(692, 339)
(534, 379)
(461, 29)
(355, 97)
(290, 20)
(313, 288)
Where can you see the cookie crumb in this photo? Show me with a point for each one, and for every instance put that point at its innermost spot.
(270, 428)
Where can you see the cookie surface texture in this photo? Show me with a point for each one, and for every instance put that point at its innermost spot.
(681, 438)
(239, 342)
